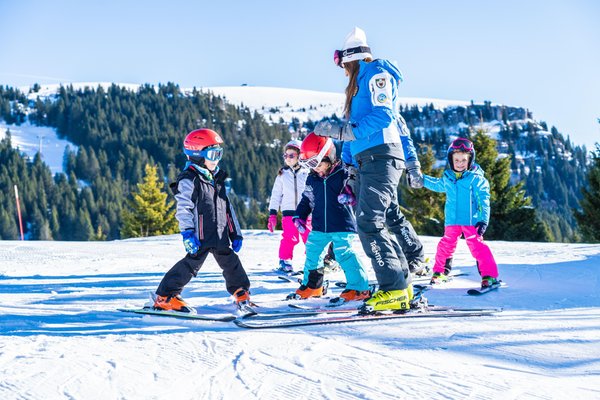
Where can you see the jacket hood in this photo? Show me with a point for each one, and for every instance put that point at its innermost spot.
(381, 63)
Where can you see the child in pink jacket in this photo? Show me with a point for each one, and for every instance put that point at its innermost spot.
(285, 195)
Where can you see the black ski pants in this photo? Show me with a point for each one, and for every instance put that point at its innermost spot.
(377, 211)
(182, 272)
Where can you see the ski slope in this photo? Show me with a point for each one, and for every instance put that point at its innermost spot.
(61, 338)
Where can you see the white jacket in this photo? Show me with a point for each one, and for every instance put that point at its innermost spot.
(287, 190)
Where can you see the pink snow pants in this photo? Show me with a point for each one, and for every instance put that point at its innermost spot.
(291, 237)
(480, 251)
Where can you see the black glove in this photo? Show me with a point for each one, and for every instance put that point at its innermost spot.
(481, 227)
(414, 174)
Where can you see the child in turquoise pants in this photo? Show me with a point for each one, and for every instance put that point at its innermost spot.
(328, 197)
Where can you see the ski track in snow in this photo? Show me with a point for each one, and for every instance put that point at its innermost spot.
(62, 338)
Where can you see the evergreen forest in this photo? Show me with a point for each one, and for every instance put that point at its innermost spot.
(121, 134)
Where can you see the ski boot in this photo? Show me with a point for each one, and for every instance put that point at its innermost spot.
(419, 268)
(285, 267)
(330, 265)
(488, 282)
(241, 297)
(315, 286)
(392, 300)
(304, 292)
(418, 301)
(350, 295)
(438, 278)
(171, 303)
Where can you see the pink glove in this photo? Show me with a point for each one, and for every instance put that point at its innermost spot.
(300, 224)
(347, 196)
(272, 222)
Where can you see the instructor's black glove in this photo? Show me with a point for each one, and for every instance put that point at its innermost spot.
(481, 227)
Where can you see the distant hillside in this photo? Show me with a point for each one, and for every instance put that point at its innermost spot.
(119, 128)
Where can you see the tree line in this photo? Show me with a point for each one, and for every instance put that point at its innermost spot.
(120, 132)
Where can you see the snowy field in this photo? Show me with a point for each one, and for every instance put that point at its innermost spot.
(62, 338)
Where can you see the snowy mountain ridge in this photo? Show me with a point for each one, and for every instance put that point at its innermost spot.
(273, 103)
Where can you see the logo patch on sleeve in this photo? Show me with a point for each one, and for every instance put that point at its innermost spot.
(382, 98)
(380, 82)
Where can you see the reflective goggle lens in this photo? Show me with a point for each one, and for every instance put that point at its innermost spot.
(212, 153)
(291, 156)
(462, 144)
(311, 163)
(337, 58)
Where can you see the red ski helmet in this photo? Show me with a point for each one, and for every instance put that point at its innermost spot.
(315, 149)
(196, 141)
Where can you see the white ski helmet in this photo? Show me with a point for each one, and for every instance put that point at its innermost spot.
(293, 144)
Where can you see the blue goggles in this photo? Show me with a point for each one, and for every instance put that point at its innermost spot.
(209, 153)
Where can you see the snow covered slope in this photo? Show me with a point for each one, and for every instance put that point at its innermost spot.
(30, 139)
(60, 336)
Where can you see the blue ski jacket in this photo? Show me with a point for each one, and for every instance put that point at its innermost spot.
(320, 199)
(467, 196)
(374, 115)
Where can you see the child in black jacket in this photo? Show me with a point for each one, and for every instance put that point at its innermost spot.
(207, 223)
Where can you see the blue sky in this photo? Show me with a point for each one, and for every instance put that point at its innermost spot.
(544, 55)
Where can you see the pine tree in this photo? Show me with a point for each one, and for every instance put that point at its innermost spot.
(589, 216)
(511, 216)
(149, 213)
(8, 227)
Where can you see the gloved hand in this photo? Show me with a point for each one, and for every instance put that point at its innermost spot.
(414, 174)
(347, 196)
(300, 224)
(340, 130)
(481, 227)
(352, 173)
(272, 222)
(190, 241)
(236, 245)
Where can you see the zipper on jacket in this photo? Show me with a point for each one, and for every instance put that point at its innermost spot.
(295, 190)
(325, 195)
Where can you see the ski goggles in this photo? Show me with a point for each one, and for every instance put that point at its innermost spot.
(291, 156)
(462, 144)
(339, 54)
(314, 161)
(211, 153)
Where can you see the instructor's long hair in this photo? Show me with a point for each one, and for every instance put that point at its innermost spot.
(352, 69)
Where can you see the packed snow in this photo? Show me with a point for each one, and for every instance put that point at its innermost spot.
(61, 335)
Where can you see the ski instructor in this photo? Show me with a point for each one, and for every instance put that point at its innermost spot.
(375, 139)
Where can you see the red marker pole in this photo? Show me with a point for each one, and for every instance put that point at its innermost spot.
(19, 212)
